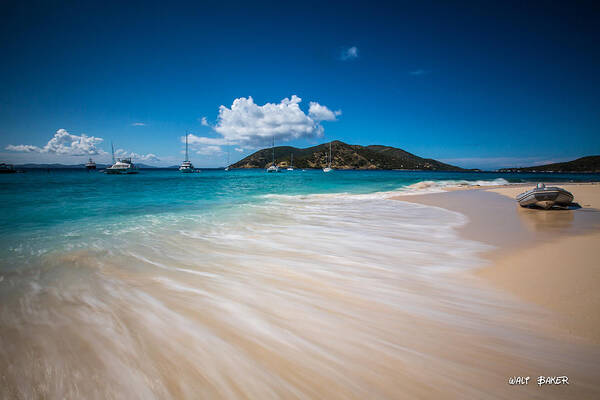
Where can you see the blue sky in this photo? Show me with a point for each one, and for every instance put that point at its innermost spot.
(477, 86)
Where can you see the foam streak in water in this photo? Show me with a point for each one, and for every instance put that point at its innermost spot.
(335, 296)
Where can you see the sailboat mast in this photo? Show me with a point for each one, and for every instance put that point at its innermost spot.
(113, 151)
(186, 146)
(329, 154)
(273, 147)
(292, 162)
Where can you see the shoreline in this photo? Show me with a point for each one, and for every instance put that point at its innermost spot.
(542, 257)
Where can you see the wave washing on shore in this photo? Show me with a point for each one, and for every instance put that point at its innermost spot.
(439, 186)
(300, 296)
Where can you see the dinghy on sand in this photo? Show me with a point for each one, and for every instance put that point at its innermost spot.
(545, 197)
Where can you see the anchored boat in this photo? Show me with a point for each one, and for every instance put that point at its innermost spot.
(545, 197)
(121, 165)
(7, 169)
(273, 167)
(328, 167)
(186, 165)
(90, 164)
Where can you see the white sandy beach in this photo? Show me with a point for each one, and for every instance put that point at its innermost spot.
(545, 257)
(358, 297)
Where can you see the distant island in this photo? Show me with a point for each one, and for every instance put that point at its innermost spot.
(344, 156)
(583, 164)
(75, 166)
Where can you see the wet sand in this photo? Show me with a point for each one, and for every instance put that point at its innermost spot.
(545, 257)
(300, 297)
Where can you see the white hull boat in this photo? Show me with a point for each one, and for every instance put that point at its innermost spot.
(545, 197)
(122, 166)
(273, 167)
(186, 166)
(328, 167)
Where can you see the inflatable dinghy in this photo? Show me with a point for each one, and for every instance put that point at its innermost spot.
(545, 197)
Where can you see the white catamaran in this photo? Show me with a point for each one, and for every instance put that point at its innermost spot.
(121, 165)
(328, 167)
(273, 167)
(187, 166)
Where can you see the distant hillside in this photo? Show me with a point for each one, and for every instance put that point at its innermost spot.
(584, 164)
(345, 156)
(61, 166)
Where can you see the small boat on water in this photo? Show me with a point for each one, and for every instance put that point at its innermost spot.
(186, 166)
(121, 166)
(7, 169)
(328, 167)
(90, 164)
(273, 167)
(291, 167)
(545, 197)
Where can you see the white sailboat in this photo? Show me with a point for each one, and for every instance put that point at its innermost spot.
(121, 165)
(328, 167)
(273, 167)
(291, 167)
(187, 166)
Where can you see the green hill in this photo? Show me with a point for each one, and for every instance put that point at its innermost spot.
(344, 156)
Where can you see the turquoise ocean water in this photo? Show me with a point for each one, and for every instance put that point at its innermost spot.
(40, 207)
(244, 284)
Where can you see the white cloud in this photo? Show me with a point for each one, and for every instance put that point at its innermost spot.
(209, 150)
(349, 53)
(120, 153)
(138, 124)
(25, 148)
(321, 113)
(205, 145)
(63, 143)
(249, 124)
(202, 140)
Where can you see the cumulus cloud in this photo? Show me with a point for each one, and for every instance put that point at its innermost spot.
(205, 145)
(204, 122)
(321, 113)
(209, 150)
(202, 140)
(120, 153)
(138, 124)
(349, 53)
(25, 148)
(64, 143)
(247, 125)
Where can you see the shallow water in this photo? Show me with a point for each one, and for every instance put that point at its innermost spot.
(248, 285)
